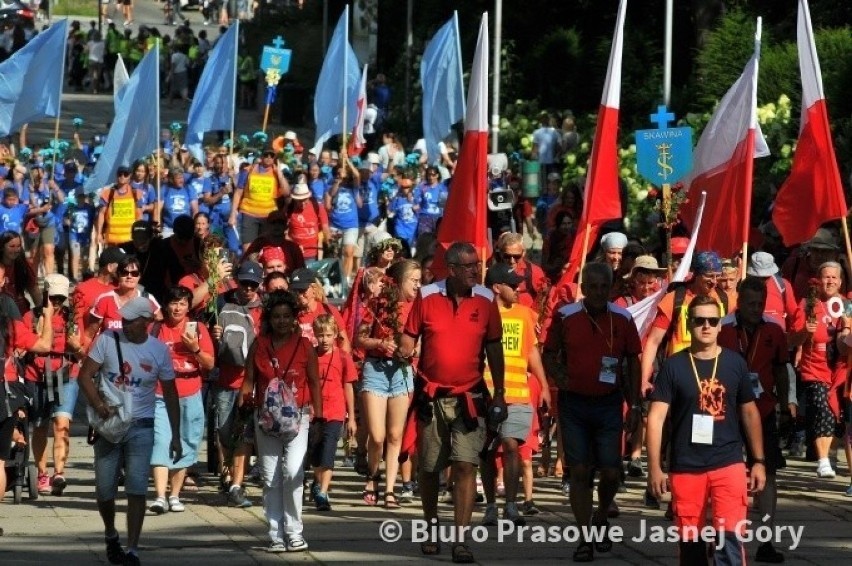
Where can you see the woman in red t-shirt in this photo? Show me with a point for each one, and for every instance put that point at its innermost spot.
(192, 356)
(388, 382)
(823, 363)
(16, 274)
(281, 352)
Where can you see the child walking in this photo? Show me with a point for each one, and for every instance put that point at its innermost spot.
(337, 374)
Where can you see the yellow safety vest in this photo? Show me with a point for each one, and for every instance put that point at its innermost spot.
(260, 192)
(518, 340)
(120, 215)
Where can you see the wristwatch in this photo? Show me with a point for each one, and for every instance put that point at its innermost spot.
(758, 461)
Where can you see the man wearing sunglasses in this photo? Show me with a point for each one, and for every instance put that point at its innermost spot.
(707, 390)
(592, 352)
(258, 189)
(511, 251)
(120, 206)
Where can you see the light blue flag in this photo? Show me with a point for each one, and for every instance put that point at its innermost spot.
(135, 131)
(443, 89)
(340, 72)
(213, 103)
(31, 79)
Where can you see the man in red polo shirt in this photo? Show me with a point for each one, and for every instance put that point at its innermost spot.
(458, 323)
(763, 344)
(534, 283)
(586, 348)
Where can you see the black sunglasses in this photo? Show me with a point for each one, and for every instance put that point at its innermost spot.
(249, 284)
(516, 257)
(130, 272)
(700, 321)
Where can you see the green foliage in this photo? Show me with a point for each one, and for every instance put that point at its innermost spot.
(554, 83)
(81, 8)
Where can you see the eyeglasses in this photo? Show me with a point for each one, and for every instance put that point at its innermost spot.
(516, 257)
(700, 321)
(250, 285)
(473, 266)
(123, 174)
(130, 272)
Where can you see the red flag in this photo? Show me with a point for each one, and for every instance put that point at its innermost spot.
(602, 199)
(466, 214)
(357, 143)
(813, 193)
(724, 164)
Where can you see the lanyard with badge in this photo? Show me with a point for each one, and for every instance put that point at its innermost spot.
(702, 425)
(753, 376)
(609, 364)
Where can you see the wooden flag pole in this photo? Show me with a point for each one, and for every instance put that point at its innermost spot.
(55, 147)
(667, 208)
(585, 252)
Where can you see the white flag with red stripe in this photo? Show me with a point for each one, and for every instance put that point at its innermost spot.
(813, 193)
(724, 165)
(602, 199)
(357, 143)
(466, 214)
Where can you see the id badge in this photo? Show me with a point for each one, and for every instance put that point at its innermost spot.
(755, 384)
(702, 429)
(608, 367)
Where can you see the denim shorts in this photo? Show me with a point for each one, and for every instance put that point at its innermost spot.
(591, 429)
(387, 378)
(191, 432)
(133, 453)
(225, 409)
(70, 391)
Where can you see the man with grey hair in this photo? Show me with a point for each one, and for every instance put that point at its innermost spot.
(458, 323)
(598, 337)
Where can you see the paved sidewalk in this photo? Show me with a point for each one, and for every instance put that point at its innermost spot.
(68, 530)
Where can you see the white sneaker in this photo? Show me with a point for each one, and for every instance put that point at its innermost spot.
(826, 472)
(175, 505)
(490, 517)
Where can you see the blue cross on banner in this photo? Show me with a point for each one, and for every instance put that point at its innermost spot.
(276, 57)
(663, 155)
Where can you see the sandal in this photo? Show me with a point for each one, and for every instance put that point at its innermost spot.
(584, 553)
(462, 554)
(371, 496)
(189, 484)
(430, 548)
(605, 543)
(391, 502)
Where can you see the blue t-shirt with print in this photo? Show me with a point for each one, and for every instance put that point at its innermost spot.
(176, 202)
(369, 212)
(405, 219)
(344, 212)
(431, 199)
(13, 218)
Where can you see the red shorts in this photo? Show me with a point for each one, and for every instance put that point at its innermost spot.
(727, 490)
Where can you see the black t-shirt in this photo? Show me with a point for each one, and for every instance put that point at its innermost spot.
(676, 386)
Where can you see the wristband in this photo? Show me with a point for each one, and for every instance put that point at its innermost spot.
(758, 461)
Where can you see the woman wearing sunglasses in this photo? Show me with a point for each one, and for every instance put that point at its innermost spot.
(105, 314)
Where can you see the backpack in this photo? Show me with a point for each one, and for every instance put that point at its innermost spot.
(279, 415)
(237, 334)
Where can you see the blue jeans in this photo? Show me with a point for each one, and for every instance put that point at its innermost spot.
(134, 451)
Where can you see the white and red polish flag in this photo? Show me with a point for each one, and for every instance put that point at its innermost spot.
(813, 193)
(466, 214)
(602, 198)
(724, 165)
(357, 143)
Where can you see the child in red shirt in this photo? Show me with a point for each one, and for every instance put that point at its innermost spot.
(337, 374)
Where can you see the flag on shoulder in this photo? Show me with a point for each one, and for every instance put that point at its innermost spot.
(337, 85)
(135, 131)
(602, 198)
(813, 193)
(215, 97)
(443, 89)
(724, 166)
(31, 79)
(466, 214)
